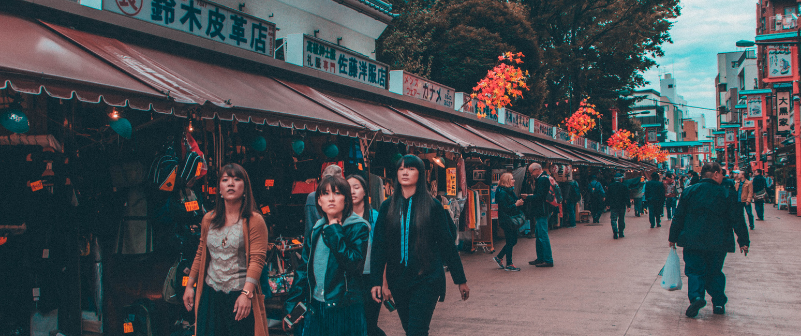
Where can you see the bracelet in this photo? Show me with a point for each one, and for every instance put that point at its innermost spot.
(246, 293)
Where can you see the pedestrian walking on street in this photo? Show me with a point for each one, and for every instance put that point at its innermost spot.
(694, 178)
(619, 203)
(572, 197)
(597, 196)
(655, 198)
(760, 194)
(703, 227)
(509, 212)
(745, 195)
(637, 194)
(540, 210)
(414, 239)
(332, 264)
(670, 194)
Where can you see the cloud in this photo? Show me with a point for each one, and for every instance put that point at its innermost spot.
(705, 28)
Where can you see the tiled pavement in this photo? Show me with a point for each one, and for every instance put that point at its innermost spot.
(602, 286)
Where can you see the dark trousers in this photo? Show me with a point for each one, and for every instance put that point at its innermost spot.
(670, 206)
(618, 216)
(569, 215)
(760, 209)
(655, 214)
(704, 270)
(638, 206)
(371, 309)
(747, 209)
(597, 209)
(543, 243)
(415, 308)
(511, 240)
(216, 317)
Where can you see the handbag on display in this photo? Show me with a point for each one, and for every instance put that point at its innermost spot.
(301, 187)
(164, 169)
(276, 276)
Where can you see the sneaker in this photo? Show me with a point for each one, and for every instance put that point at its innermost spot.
(719, 310)
(512, 268)
(614, 235)
(621, 234)
(544, 265)
(752, 227)
(498, 261)
(692, 310)
(535, 262)
(658, 225)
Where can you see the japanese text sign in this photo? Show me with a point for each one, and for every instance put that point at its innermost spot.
(720, 141)
(450, 179)
(754, 106)
(784, 111)
(748, 124)
(311, 52)
(730, 135)
(204, 19)
(517, 120)
(404, 83)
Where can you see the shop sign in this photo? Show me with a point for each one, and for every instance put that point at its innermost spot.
(204, 19)
(562, 135)
(706, 149)
(543, 128)
(470, 105)
(311, 52)
(731, 135)
(450, 181)
(678, 150)
(720, 141)
(748, 124)
(592, 144)
(652, 135)
(404, 83)
(517, 120)
(784, 113)
(755, 107)
(780, 61)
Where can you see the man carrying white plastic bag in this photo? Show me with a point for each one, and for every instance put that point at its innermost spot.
(671, 273)
(703, 225)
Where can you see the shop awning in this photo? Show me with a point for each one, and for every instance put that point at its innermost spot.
(505, 142)
(217, 91)
(468, 141)
(34, 60)
(553, 153)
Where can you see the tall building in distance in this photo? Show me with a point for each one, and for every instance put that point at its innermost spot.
(737, 76)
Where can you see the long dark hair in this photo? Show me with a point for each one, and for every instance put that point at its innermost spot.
(368, 210)
(422, 207)
(248, 204)
(336, 183)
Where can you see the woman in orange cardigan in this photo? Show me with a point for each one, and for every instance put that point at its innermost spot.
(228, 263)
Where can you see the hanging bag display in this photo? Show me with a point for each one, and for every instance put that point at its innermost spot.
(301, 187)
(164, 169)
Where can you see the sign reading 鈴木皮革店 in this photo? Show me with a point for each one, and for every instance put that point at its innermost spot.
(404, 83)
(311, 52)
(204, 19)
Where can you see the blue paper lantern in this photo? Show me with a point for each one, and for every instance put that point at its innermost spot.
(330, 150)
(258, 143)
(298, 146)
(122, 126)
(396, 157)
(14, 120)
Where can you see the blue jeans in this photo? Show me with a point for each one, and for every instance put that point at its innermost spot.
(747, 208)
(569, 217)
(704, 270)
(638, 206)
(618, 219)
(670, 205)
(760, 210)
(543, 244)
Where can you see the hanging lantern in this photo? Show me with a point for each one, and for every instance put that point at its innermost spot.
(14, 120)
(122, 126)
(330, 150)
(298, 146)
(396, 157)
(258, 143)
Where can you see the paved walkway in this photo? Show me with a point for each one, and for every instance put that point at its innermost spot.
(602, 286)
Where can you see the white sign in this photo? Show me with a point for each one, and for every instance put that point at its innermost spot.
(748, 123)
(204, 19)
(310, 52)
(784, 111)
(755, 107)
(404, 83)
(517, 120)
(780, 61)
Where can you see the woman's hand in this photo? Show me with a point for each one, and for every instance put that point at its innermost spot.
(189, 298)
(378, 294)
(387, 293)
(242, 307)
(465, 291)
(519, 202)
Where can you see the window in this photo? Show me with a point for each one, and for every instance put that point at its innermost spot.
(670, 86)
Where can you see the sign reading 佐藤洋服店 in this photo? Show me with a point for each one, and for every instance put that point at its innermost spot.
(311, 52)
(404, 83)
(204, 19)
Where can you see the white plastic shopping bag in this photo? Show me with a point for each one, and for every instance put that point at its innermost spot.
(671, 273)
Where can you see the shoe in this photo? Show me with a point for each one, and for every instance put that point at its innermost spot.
(760, 219)
(535, 262)
(621, 234)
(498, 261)
(692, 310)
(636, 215)
(752, 227)
(512, 268)
(544, 265)
(719, 310)
(614, 235)
(652, 226)
(658, 225)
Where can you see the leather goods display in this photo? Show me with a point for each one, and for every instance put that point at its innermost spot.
(301, 187)
(164, 169)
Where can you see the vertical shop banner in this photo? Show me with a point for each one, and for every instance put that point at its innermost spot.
(450, 181)
(204, 19)
(311, 52)
(731, 135)
(720, 141)
(755, 107)
(784, 111)
(781, 62)
(404, 83)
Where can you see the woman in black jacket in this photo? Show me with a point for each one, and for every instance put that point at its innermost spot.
(413, 238)
(655, 198)
(508, 206)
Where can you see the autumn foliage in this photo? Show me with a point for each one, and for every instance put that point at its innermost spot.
(583, 120)
(621, 140)
(502, 84)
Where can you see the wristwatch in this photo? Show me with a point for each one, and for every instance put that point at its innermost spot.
(247, 294)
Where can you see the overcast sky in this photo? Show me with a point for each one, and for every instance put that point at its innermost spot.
(704, 29)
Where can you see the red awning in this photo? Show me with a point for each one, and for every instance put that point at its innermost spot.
(468, 141)
(34, 60)
(222, 92)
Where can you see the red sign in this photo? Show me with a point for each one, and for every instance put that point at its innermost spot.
(130, 7)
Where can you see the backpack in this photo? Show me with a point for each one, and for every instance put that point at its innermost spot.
(164, 169)
(554, 194)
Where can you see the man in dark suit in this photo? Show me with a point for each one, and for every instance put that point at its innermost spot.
(539, 209)
(618, 201)
(655, 198)
(703, 225)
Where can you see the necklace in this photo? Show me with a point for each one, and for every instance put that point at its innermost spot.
(227, 234)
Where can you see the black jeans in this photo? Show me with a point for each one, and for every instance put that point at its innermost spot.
(704, 270)
(216, 317)
(618, 216)
(416, 307)
(511, 240)
(371, 310)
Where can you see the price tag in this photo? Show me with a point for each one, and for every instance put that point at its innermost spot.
(191, 206)
(36, 186)
(45, 253)
(269, 183)
(127, 327)
(360, 166)
(446, 206)
(184, 281)
(265, 209)
(199, 169)
(212, 191)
